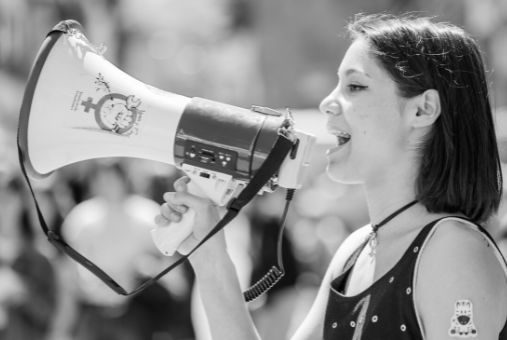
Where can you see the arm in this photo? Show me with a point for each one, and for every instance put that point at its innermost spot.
(216, 275)
(215, 272)
(221, 295)
(458, 264)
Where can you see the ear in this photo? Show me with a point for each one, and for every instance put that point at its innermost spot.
(427, 109)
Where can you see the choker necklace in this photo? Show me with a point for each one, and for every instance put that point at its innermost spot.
(373, 235)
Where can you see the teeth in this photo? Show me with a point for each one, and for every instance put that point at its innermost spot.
(342, 134)
(343, 137)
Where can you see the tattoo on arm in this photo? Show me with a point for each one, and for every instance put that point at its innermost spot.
(462, 322)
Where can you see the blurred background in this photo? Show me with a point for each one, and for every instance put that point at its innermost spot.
(274, 53)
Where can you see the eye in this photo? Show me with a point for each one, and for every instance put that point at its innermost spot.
(356, 88)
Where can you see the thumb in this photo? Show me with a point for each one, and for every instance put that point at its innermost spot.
(181, 184)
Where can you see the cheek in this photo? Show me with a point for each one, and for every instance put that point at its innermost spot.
(370, 123)
(377, 131)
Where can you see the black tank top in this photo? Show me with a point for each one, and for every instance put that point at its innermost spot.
(386, 309)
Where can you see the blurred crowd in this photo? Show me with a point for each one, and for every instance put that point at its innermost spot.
(274, 53)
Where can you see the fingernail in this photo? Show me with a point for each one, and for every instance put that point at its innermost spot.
(182, 209)
(168, 196)
(175, 217)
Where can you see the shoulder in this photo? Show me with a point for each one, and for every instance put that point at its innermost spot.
(469, 253)
(459, 264)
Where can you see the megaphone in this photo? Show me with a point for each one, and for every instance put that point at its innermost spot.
(78, 106)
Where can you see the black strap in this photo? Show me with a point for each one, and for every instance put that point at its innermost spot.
(353, 257)
(271, 165)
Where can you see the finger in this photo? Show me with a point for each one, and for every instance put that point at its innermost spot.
(181, 209)
(178, 208)
(169, 213)
(161, 221)
(183, 198)
(180, 185)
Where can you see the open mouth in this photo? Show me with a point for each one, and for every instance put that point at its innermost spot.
(343, 137)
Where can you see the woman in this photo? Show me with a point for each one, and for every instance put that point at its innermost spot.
(414, 126)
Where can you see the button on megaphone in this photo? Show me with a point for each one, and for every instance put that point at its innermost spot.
(78, 106)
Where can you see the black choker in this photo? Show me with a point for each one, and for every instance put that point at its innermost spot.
(373, 235)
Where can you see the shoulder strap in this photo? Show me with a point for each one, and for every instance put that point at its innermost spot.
(353, 257)
(269, 167)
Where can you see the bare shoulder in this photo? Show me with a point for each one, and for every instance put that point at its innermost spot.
(460, 273)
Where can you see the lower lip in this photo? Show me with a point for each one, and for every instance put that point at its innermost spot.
(335, 149)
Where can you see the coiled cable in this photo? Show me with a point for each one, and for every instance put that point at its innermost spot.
(274, 274)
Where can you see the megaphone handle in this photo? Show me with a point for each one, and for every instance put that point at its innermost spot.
(168, 239)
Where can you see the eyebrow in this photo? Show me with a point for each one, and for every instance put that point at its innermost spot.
(353, 70)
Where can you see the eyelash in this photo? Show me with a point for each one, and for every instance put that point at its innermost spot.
(356, 88)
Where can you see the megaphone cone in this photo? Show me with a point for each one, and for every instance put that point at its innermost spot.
(78, 106)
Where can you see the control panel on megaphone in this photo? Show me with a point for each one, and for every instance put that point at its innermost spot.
(78, 106)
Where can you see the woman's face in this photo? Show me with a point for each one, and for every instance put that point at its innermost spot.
(364, 106)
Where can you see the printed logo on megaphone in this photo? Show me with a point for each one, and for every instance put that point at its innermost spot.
(115, 112)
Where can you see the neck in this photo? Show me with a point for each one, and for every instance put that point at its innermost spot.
(390, 194)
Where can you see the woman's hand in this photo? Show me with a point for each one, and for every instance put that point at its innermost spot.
(206, 216)
(226, 311)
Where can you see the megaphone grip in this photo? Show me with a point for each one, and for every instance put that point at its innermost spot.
(168, 239)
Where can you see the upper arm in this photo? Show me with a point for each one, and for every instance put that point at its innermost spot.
(311, 328)
(459, 266)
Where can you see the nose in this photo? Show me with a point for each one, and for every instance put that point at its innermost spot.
(330, 105)
(463, 319)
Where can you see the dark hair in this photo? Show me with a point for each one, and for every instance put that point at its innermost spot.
(459, 163)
